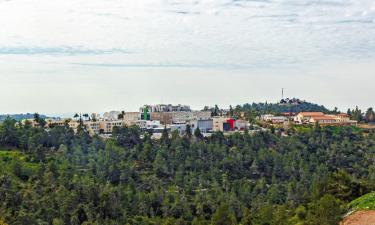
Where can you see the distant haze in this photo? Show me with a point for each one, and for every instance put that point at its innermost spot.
(70, 56)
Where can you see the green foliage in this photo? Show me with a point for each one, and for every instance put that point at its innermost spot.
(326, 211)
(58, 177)
(127, 136)
(265, 108)
(2, 222)
(18, 164)
(223, 216)
(198, 134)
(370, 115)
(366, 202)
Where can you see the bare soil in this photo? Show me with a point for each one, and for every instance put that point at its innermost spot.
(360, 218)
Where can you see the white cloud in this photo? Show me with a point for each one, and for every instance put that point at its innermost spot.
(213, 32)
(268, 36)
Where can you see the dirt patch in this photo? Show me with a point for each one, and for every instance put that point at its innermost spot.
(360, 218)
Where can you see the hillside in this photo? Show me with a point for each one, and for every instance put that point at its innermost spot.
(19, 117)
(285, 107)
(264, 178)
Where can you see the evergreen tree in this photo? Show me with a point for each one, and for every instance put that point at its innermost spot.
(370, 115)
(164, 140)
(188, 133)
(198, 134)
(327, 211)
(223, 216)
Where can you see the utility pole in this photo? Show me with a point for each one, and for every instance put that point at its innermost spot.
(282, 93)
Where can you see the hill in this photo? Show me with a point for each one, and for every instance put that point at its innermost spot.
(57, 176)
(20, 117)
(285, 106)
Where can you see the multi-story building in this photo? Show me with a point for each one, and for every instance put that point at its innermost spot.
(341, 118)
(218, 123)
(73, 124)
(148, 125)
(344, 119)
(54, 122)
(273, 119)
(107, 126)
(205, 125)
(112, 115)
(130, 118)
(163, 117)
(180, 117)
(304, 117)
(323, 119)
(165, 108)
(93, 127)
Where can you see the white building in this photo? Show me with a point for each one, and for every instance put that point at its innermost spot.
(183, 117)
(148, 125)
(241, 125)
(180, 127)
(273, 119)
(112, 115)
(165, 108)
(204, 125)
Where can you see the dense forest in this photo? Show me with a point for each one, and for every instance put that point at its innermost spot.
(300, 106)
(256, 109)
(55, 176)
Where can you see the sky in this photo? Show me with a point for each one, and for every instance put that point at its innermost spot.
(65, 56)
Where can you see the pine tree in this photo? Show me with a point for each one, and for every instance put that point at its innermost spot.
(164, 140)
(370, 115)
(188, 131)
(198, 134)
(326, 211)
(223, 216)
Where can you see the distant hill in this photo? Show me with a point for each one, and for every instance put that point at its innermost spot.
(294, 105)
(20, 117)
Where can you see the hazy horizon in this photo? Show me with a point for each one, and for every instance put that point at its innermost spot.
(96, 56)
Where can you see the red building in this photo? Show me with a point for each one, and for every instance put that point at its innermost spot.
(231, 123)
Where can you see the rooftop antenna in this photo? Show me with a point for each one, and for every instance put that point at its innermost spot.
(282, 93)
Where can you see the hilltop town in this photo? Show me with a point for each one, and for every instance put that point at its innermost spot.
(291, 162)
(178, 118)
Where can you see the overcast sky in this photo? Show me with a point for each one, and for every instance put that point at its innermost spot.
(61, 56)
